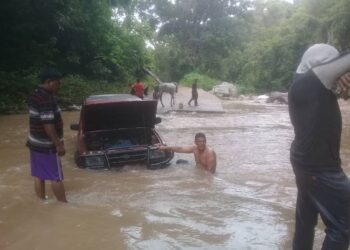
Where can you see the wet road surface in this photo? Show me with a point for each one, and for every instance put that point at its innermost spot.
(248, 204)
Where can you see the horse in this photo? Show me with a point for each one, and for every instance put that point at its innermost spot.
(166, 87)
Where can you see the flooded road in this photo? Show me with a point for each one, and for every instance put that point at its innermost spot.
(248, 204)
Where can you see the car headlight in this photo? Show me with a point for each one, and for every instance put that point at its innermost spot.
(95, 161)
(156, 154)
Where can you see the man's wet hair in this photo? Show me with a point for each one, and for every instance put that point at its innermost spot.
(200, 135)
(50, 74)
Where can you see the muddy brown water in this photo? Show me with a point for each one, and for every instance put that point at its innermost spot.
(248, 204)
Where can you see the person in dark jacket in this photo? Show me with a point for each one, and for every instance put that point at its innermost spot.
(194, 96)
(323, 188)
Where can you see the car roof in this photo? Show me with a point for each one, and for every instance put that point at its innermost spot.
(111, 98)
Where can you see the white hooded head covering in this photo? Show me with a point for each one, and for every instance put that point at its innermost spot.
(316, 55)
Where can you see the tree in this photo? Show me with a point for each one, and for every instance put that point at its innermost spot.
(76, 36)
(192, 34)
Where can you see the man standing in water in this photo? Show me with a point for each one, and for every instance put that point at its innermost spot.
(45, 139)
(204, 156)
(323, 188)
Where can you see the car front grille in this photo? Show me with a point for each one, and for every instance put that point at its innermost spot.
(123, 157)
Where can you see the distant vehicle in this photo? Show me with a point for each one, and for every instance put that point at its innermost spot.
(119, 129)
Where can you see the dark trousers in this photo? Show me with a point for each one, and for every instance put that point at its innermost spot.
(194, 98)
(327, 194)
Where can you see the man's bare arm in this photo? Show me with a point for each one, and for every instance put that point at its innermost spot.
(211, 166)
(178, 149)
(344, 82)
(328, 73)
(51, 132)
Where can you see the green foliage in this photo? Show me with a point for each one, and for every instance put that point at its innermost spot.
(340, 23)
(75, 88)
(13, 90)
(268, 64)
(203, 81)
(16, 87)
(196, 35)
(269, 58)
(101, 46)
(171, 63)
(246, 89)
(78, 37)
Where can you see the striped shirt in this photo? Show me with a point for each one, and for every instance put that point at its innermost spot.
(43, 109)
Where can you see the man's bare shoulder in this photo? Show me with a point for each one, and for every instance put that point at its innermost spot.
(211, 151)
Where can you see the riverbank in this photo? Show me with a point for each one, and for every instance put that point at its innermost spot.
(207, 102)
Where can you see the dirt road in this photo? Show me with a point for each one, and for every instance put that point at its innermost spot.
(207, 102)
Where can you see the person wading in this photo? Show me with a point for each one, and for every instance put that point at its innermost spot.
(204, 156)
(45, 139)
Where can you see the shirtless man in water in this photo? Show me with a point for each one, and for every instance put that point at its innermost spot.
(204, 156)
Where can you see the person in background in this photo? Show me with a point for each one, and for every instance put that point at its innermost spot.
(138, 88)
(45, 139)
(205, 157)
(323, 188)
(194, 93)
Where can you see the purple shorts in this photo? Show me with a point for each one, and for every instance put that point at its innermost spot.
(46, 166)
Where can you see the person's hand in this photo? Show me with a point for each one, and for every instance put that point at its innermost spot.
(60, 149)
(343, 84)
(344, 81)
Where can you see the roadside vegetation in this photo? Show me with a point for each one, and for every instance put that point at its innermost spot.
(102, 46)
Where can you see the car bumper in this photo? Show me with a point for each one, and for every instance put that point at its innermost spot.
(151, 156)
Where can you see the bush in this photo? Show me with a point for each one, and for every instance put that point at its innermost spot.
(15, 87)
(76, 88)
(204, 82)
(14, 90)
(246, 89)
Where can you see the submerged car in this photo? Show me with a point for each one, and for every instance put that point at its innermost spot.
(119, 129)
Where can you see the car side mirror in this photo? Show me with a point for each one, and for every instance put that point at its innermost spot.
(74, 126)
(158, 120)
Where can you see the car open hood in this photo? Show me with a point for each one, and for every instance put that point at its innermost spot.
(104, 112)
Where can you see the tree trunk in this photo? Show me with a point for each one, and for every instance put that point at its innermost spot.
(153, 75)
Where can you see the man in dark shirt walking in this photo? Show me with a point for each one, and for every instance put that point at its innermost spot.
(323, 188)
(45, 139)
(194, 96)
